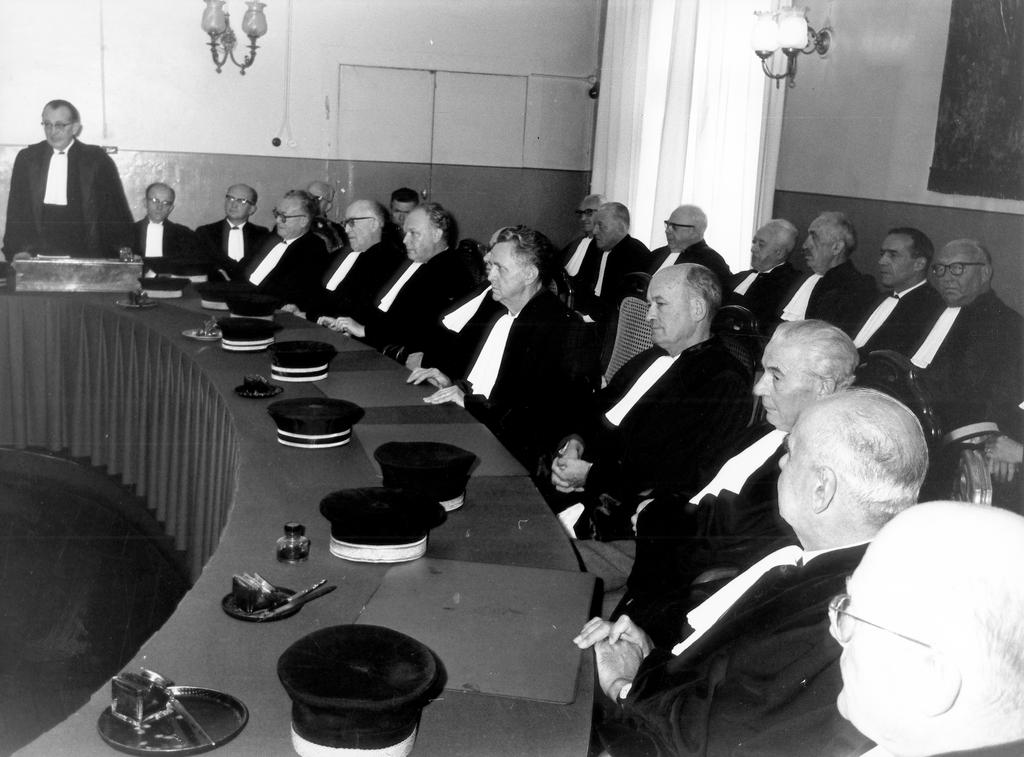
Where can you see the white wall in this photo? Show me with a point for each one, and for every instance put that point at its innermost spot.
(861, 122)
(152, 85)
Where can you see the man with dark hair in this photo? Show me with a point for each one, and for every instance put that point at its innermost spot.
(408, 307)
(770, 277)
(527, 369)
(665, 415)
(908, 305)
(290, 264)
(755, 671)
(353, 276)
(834, 291)
(66, 196)
(401, 203)
(156, 236)
(235, 239)
(684, 232)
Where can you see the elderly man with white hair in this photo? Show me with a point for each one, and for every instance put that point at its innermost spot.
(756, 671)
(932, 629)
(770, 276)
(684, 233)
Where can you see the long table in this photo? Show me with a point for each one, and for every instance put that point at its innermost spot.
(126, 389)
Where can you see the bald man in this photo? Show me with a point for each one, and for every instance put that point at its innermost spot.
(235, 238)
(684, 232)
(932, 629)
(355, 274)
(755, 669)
(156, 236)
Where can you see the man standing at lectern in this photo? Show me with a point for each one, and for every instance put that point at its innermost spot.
(66, 196)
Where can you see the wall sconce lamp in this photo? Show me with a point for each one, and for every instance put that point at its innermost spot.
(787, 28)
(217, 23)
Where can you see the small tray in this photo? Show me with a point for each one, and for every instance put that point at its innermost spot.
(221, 715)
(256, 394)
(231, 608)
(199, 336)
(134, 305)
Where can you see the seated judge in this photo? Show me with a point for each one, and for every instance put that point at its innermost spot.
(684, 232)
(971, 355)
(333, 234)
(732, 521)
(407, 308)
(291, 262)
(908, 305)
(755, 671)
(771, 276)
(66, 196)
(356, 273)
(665, 415)
(615, 253)
(576, 251)
(527, 369)
(834, 291)
(932, 646)
(157, 236)
(234, 239)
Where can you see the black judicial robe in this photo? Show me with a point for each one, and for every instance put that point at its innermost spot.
(762, 681)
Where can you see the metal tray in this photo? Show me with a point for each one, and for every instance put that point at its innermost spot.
(220, 715)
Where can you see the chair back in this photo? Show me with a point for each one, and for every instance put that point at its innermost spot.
(561, 285)
(892, 373)
(632, 334)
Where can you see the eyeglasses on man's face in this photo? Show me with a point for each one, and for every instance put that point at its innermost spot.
(350, 222)
(678, 226)
(957, 269)
(842, 622)
(588, 212)
(56, 125)
(160, 203)
(278, 215)
(239, 200)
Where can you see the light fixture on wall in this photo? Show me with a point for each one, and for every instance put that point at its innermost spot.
(787, 29)
(217, 23)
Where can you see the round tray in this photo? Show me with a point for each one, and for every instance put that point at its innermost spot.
(195, 334)
(231, 608)
(254, 394)
(220, 715)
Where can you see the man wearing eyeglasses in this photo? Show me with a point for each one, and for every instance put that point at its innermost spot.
(971, 355)
(355, 275)
(684, 232)
(156, 236)
(577, 250)
(755, 671)
(932, 627)
(66, 197)
(290, 264)
(235, 238)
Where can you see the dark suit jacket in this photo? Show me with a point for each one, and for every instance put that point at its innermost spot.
(698, 252)
(180, 242)
(765, 296)
(94, 187)
(296, 277)
(412, 318)
(676, 429)
(354, 296)
(762, 681)
(627, 256)
(677, 541)
(214, 238)
(906, 325)
(546, 381)
(840, 297)
(978, 373)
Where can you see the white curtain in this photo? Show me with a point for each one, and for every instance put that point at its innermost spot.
(686, 116)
